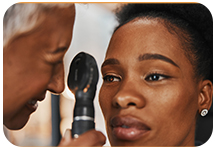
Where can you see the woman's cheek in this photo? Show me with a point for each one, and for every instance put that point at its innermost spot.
(104, 99)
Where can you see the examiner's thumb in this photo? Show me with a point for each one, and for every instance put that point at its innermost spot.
(67, 135)
(66, 139)
(89, 138)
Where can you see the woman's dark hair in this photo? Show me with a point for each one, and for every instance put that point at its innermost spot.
(191, 22)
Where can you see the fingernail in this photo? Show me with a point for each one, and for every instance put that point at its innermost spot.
(67, 135)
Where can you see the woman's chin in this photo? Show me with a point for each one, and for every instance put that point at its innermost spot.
(16, 125)
(19, 120)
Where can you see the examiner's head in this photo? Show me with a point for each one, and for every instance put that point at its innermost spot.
(36, 37)
(157, 74)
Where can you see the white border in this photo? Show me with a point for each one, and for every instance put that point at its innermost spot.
(7, 145)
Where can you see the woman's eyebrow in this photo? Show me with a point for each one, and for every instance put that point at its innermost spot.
(59, 50)
(110, 61)
(148, 56)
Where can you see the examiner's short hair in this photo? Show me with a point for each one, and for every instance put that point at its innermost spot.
(23, 17)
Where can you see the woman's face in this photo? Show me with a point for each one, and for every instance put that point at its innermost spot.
(33, 64)
(149, 95)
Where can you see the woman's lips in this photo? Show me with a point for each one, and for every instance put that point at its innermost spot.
(128, 128)
(33, 104)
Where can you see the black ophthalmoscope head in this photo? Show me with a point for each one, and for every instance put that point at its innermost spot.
(83, 75)
(82, 81)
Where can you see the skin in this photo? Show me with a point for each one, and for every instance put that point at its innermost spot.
(89, 138)
(169, 102)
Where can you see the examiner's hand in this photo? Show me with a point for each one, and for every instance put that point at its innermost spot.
(90, 138)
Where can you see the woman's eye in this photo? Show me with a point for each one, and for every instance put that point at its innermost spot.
(156, 77)
(110, 78)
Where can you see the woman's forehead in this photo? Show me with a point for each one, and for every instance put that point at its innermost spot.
(144, 34)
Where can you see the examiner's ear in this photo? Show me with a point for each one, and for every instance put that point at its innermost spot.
(205, 96)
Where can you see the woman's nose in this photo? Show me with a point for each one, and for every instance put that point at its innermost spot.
(56, 84)
(128, 96)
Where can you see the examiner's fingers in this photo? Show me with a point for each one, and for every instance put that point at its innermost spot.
(90, 138)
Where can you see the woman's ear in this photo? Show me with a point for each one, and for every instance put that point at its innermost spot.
(205, 95)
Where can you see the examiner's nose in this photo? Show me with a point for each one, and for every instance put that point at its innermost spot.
(56, 84)
(127, 96)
